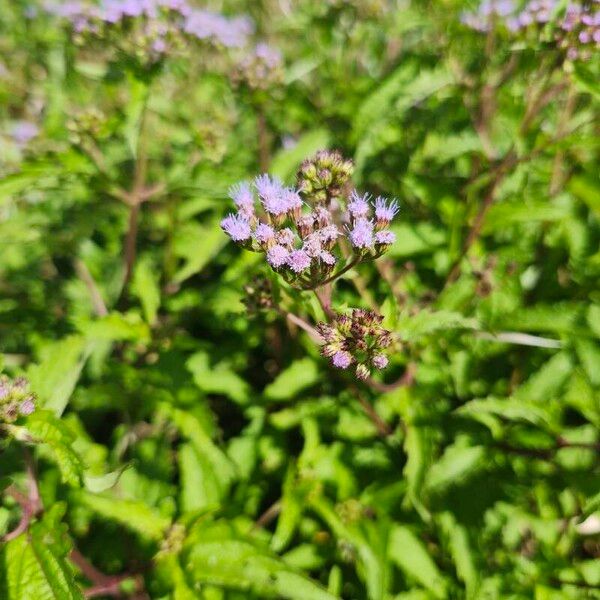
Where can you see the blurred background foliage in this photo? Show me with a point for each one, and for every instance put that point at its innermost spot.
(215, 453)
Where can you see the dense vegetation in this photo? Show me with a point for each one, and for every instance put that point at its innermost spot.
(346, 401)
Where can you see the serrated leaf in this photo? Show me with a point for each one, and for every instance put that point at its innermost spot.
(131, 514)
(56, 441)
(35, 568)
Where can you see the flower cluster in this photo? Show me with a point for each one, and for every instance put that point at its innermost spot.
(577, 32)
(356, 339)
(15, 399)
(22, 132)
(259, 68)
(151, 28)
(303, 239)
(324, 176)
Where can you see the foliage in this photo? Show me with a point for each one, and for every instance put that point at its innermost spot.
(184, 437)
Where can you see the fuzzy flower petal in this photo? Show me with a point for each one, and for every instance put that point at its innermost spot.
(277, 256)
(264, 233)
(358, 206)
(298, 261)
(361, 236)
(385, 211)
(236, 227)
(341, 359)
(385, 237)
(272, 194)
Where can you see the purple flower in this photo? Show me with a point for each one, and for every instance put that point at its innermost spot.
(26, 407)
(380, 361)
(277, 256)
(269, 55)
(292, 198)
(312, 245)
(272, 194)
(286, 237)
(236, 227)
(298, 261)
(264, 233)
(327, 258)
(358, 206)
(23, 131)
(361, 236)
(385, 237)
(243, 198)
(329, 233)
(384, 211)
(341, 359)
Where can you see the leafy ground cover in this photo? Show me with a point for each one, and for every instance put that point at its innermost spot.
(299, 300)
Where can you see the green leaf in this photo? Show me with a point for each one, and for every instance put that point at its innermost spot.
(145, 285)
(416, 238)
(547, 382)
(286, 162)
(36, 568)
(200, 487)
(586, 80)
(54, 378)
(456, 464)
(217, 379)
(216, 554)
(56, 441)
(131, 514)
(408, 552)
(461, 552)
(298, 376)
(426, 322)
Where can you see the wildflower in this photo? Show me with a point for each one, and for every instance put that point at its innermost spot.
(341, 359)
(359, 206)
(380, 361)
(242, 196)
(327, 258)
(264, 233)
(298, 261)
(361, 236)
(358, 337)
(23, 132)
(384, 211)
(236, 227)
(286, 237)
(385, 237)
(15, 399)
(312, 245)
(271, 193)
(277, 256)
(323, 176)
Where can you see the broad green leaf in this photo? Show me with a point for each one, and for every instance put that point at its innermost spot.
(286, 161)
(408, 552)
(35, 568)
(299, 375)
(217, 379)
(54, 378)
(56, 442)
(216, 554)
(548, 381)
(131, 514)
(200, 487)
(456, 464)
(412, 327)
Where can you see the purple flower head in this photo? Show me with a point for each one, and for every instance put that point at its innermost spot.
(277, 256)
(243, 198)
(23, 131)
(329, 233)
(27, 407)
(236, 227)
(298, 261)
(286, 237)
(361, 236)
(312, 245)
(272, 194)
(327, 258)
(341, 359)
(385, 237)
(358, 206)
(269, 55)
(206, 25)
(4, 390)
(380, 361)
(385, 211)
(292, 198)
(264, 233)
